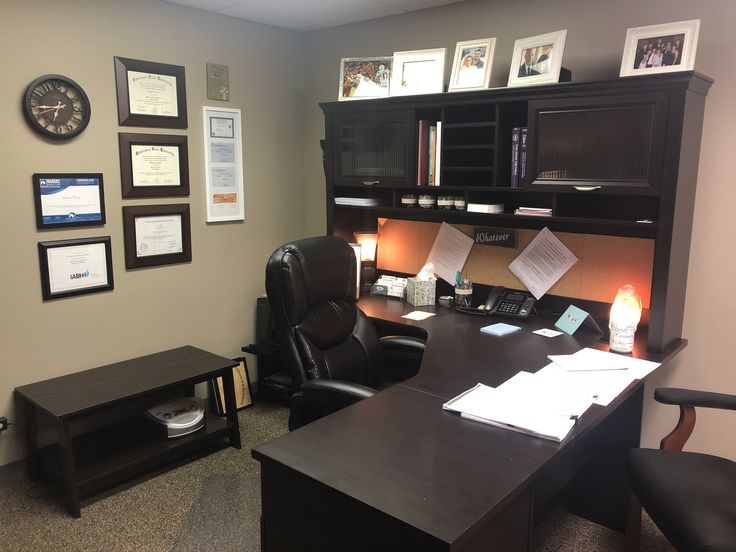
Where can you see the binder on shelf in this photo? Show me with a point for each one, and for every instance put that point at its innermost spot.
(431, 156)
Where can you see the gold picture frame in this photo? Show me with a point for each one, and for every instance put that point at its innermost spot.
(243, 394)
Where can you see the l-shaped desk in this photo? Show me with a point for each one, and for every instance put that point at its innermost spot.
(397, 472)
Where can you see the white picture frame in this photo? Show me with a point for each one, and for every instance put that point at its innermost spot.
(364, 78)
(679, 42)
(537, 59)
(418, 72)
(471, 66)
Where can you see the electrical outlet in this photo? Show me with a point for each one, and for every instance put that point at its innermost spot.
(3, 423)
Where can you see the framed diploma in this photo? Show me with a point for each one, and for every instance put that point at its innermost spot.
(223, 164)
(153, 165)
(68, 199)
(157, 235)
(75, 267)
(150, 94)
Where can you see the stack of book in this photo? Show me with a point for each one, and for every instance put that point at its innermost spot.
(518, 156)
(534, 211)
(430, 152)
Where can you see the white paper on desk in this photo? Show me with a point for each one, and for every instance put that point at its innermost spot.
(449, 252)
(418, 315)
(524, 404)
(588, 359)
(600, 387)
(544, 261)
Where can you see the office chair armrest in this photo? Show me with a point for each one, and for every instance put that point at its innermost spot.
(687, 400)
(337, 393)
(402, 355)
(689, 397)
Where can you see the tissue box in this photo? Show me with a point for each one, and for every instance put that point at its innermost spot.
(420, 292)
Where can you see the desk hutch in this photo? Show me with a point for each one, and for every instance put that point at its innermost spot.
(602, 155)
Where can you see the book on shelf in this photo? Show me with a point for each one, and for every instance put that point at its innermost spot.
(534, 211)
(431, 156)
(438, 155)
(522, 157)
(424, 154)
(518, 156)
(515, 137)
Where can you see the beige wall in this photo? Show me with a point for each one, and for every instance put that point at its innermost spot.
(596, 32)
(209, 302)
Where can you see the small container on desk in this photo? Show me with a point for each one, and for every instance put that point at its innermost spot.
(464, 294)
(427, 201)
(445, 202)
(409, 200)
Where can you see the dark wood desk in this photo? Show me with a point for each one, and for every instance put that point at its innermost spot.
(123, 445)
(397, 472)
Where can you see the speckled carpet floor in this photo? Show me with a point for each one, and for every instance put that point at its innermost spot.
(180, 509)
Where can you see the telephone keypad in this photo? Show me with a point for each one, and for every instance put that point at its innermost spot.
(508, 308)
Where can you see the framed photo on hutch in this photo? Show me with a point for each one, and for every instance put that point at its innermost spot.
(418, 72)
(150, 94)
(364, 78)
(153, 165)
(471, 67)
(537, 59)
(65, 200)
(665, 48)
(75, 267)
(157, 235)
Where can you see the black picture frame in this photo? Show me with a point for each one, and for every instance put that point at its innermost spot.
(243, 391)
(132, 213)
(45, 221)
(127, 141)
(45, 266)
(126, 117)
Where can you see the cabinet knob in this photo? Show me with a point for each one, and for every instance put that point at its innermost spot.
(586, 188)
(370, 182)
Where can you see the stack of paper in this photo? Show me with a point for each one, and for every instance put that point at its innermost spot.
(356, 201)
(527, 403)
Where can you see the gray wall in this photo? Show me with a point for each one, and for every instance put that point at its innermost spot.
(209, 302)
(595, 40)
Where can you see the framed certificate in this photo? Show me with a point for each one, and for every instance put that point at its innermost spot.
(75, 267)
(68, 199)
(150, 94)
(153, 165)
(157, 235)
(223, 162)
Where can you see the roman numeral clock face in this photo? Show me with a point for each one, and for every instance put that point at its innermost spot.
(56, 107)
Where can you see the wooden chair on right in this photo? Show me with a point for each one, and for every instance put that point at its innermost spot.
(690, 496)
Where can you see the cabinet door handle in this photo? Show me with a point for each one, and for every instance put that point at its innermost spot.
(370, 182)
(586, 188)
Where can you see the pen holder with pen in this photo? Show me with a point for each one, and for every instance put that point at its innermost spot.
(464, 294)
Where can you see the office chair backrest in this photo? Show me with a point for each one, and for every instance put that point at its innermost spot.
(310, 285)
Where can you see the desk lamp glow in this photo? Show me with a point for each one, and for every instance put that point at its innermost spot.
(356, 251)
(368, 243)
(625, 316)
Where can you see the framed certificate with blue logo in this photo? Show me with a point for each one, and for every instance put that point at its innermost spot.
(75, 267)
(64, 200)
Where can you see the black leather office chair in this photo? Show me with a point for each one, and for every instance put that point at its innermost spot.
(690, 496)
(331, 348)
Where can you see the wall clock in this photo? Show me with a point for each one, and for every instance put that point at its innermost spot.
(56, 107)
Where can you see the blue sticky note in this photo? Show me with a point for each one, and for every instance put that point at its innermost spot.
(500, 329)
(573, 318)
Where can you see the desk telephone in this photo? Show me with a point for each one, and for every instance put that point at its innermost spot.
(505, 302)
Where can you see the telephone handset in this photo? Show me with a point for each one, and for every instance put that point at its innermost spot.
(509, 302)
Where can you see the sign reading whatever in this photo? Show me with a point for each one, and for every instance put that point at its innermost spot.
(501, 237)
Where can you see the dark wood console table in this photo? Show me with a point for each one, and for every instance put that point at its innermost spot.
(113, 398)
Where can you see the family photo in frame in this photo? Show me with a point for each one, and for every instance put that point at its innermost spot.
(471, 66)
(664, 48)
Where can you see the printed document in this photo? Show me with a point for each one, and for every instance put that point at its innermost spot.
(449, 252)
(544, 261)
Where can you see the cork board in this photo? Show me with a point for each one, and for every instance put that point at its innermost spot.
(605, 262)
